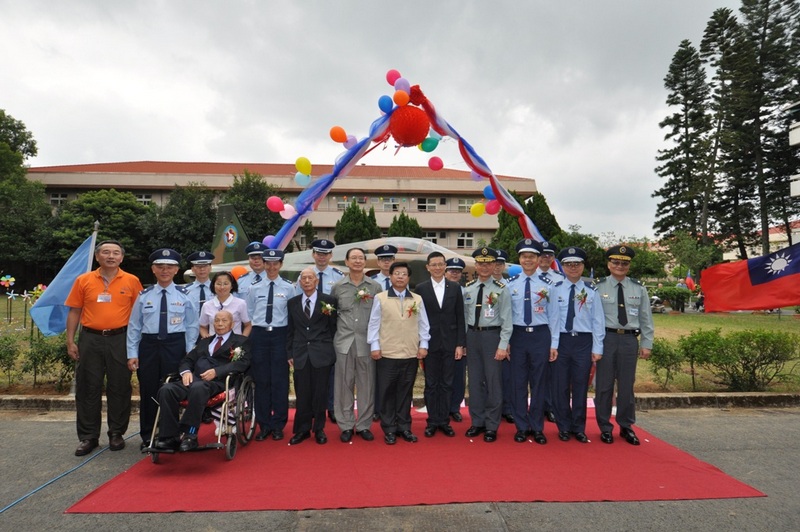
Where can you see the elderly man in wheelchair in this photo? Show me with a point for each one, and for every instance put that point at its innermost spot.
(203, 373)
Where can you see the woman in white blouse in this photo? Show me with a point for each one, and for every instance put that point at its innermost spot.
(223, 286)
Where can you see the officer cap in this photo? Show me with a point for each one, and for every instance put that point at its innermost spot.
(528, 245)
(620, 252)
(455, 264)
(502, 256)
(273, 255)
(548, 247)
(255, 248)
(165, 256)
(572, 254)
(484, 255)
(200, 257)
(323, 246)
(386, 250)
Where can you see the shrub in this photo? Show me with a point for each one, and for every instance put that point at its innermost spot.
(9, 352)
(43, 357)
(699, 348)
(750, 360)
(665, 357)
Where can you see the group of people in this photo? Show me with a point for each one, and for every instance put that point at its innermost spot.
(355, 344)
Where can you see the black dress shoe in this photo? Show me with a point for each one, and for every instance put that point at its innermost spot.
(563, 435)
(263, 434)
(430, 432)
(520, 436)
(366, 435)
(539, 438)
(509, 418)
(489, 436)
(606, 437)
(408, 436)
(456, 417)
(581, 437)
(115, 441)
(447, 430)
(144, 445)
(277, 434)
(549, 416)
(86, 446)
(629, 436)
(299, 437)
(189, 443)
(168, 444)
(207, 417)
(474, 431)
(346, 436)
(320, 437)
(390, 438)
(331, 416)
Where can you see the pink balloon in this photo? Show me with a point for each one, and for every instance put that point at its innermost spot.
(350, 142)
(392, 76)
(492, 207)
(435, 164)
(274, 204)
(288, 212)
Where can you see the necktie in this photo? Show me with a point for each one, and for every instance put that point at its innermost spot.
(269, 302)
(527, 302)
(162, 316)
(257, 278)
(622, 316)
(217, 345)
(386, 283)
(307, 308)
(570, 309)
(478, 305)
(319, 286)
(202, 297)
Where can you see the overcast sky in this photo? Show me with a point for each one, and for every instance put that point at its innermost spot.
(569, 93)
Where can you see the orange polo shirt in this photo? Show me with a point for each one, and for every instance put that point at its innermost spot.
(123, 290)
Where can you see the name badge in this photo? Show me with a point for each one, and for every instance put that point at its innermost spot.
(488, 313)
(538, 310)
(105, 297)
(633, 311)
(176, 320)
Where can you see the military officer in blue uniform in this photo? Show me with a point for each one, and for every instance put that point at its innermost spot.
(267, 306)
(454, 270)
(579, 340)
(534, 312)
(508, 409)
(385, 255)
(626, 306)
(199, 291)
(255, 256)
(487, 309)
(163, 327)
(546, 258)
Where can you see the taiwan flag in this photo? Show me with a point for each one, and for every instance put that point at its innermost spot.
(767, 282)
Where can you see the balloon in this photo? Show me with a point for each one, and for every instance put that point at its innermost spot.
(488, 193)
(429, 144)
(275, 204)
(350, 142)
(402, 84)
(477, 209)
(475, 176)
(303, 166)
(435, 164)
(492, 207)
(338, 134)
(409, 125)
(238, 271)
(392, 76)
(268, 240)
(385, 103)
(288, 212)
(401, 98)
(514, 269)
(302, 179)
(435, 134)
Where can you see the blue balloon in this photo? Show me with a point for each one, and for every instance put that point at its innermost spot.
(302, 179)
(488, 193)
(514, 269)
(385, 103)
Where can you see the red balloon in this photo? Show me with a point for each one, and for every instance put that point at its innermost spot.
(275, 204)
(409, 125)
(435, 164)
(392, 76)
(492, 206)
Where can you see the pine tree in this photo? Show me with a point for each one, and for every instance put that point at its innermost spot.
(404, 225)
(356, 225)
(509, 232)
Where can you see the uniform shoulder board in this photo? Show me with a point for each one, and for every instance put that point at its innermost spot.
(149, 288)
(590, 285)
(558, 283)
(560, 274)
(514, 278)
(337, 270)
(472, 282)
(285, 280)
(181, 289)
(599, 280)
(636, 281)
(545, 279)
(373, 276)
(499, 283)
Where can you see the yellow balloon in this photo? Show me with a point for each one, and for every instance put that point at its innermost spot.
(477, 209)
(303, 165)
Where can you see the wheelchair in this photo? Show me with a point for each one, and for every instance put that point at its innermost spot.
(235, 407)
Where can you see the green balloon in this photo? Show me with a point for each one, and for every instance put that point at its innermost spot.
(429, 144)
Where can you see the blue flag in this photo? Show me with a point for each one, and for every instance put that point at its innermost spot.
(49, 312)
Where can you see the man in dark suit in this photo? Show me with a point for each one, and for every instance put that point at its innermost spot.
(203, 371)
(444, 306)
(309, 345)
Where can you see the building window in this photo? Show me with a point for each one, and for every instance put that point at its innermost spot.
(57, 199)
(144, 199)
(341, 205)
(431, 236)
(465, 240)
(464, 204)
(391, 205)
(426, 204)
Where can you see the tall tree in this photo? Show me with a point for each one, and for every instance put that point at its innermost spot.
(248, 195)
(186, 223)
(355, 225)
(595, 255)
(404, 225)
(509, 232)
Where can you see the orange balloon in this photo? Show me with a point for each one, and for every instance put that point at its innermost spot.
(338, 134)
(238, 271)
(401, 98)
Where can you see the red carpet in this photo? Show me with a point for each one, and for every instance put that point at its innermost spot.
(272, 475)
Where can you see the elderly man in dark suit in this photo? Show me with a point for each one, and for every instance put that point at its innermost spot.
(203, 371)
(309, 345)
(444, 305)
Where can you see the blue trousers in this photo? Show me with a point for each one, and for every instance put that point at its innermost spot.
(157, 359)
(571, 379)
(269, 368)
(530, 355)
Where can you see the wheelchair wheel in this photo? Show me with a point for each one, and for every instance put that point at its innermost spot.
(230, 446)
(245, 411)
(154, 457)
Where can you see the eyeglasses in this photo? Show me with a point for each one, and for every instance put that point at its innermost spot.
(620, 263)
(571, 264)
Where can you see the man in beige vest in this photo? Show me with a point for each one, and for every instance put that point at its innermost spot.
(398, 335)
